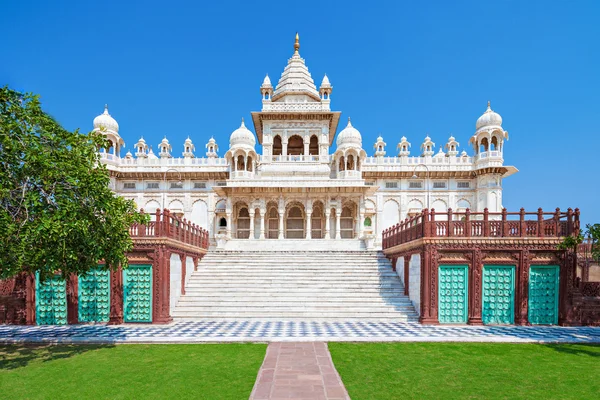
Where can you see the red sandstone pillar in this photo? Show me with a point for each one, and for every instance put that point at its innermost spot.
(161, 269)
(429, 314)
(475, 272)
(116, 297)
(30, 299)
(522, 289)
(72, 299)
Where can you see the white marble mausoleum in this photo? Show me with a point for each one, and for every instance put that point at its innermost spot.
(309, 187)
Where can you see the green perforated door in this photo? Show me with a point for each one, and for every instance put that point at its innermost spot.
(498, 294)
(137, 293)
(453, 292)
(50, 301)
(543, 294)
(94, 296)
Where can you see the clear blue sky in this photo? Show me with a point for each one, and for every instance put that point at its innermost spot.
(180, 68)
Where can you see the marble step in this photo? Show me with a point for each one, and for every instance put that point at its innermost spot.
(263, 314)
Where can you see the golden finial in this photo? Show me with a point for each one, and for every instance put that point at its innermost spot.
(297, 43)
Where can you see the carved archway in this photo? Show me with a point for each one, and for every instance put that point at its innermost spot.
(317, 221)
(295, 221)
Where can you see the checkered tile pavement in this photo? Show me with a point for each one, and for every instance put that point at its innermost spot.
(269, 331)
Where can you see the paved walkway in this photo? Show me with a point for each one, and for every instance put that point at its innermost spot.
(293, 331)
(298, 371)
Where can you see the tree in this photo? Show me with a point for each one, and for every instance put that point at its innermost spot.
(591, 235)
(57, 211)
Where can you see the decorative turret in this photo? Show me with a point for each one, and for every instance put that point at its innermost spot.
(427, 146)
(241, 154)
(108, 126)
(129, 156)
(403, 147)
(141, 148)
(211, 148)
(188, 148)
(379, 147)
(452, 147)
(266, 89)
(489, 135)
(165, 148)
(325, 89)
(349, 154)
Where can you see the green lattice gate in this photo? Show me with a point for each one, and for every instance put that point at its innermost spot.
(543, 294)
(94, 296)
(453, 294)
(50, 301)
(137, 293)
(498, 294)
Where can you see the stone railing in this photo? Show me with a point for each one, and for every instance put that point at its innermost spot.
(430, 224)
(168, 225)
(295, 107)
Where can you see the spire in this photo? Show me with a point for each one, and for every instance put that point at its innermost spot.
(106, 109)
(489, 106)
(297, 43)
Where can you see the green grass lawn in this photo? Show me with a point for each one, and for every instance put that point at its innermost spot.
(207, 371)
(468, 370)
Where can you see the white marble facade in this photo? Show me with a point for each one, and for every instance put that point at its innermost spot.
(302, 186)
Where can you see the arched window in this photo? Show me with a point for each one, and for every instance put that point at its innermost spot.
(249, 164)
(277, 147)
(342, 165)
(350, 162)
(494, 145)
(295, 146)
(295, 223)
(243, 224)
(367, 221)
(223, 222)
(317, 222)
(240, 163)
(347, 223)
(313, 147)
(273, 223)
(484, 146)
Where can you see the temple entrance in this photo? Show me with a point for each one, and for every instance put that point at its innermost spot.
(294, 223)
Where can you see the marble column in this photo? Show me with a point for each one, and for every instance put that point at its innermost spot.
(284, 145)
(327, 216)
(281, 213)
(338, 234)
(251, 236)
(360, 223)
(262, 225)
(308, 225)
(228, 225)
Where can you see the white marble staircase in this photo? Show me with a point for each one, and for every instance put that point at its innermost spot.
(288, 285)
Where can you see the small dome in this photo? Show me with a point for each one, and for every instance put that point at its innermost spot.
(128, 155)
(165, 140)
(379, 139)
(242, 136)
(188, 140)
(440, 154)
(489, 118)
(325, 82)
(105, 121)
(267, 81)
(349, 135)
(141, 141)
